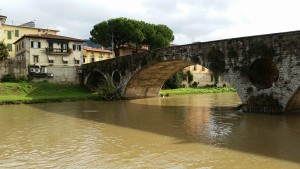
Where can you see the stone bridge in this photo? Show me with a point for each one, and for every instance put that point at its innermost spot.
(264, 70)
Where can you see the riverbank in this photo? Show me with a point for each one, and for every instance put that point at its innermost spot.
(41, 92)
(14, 93)
(198, 90)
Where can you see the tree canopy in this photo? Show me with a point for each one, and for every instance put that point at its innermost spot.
(3, 51)
(123, 31)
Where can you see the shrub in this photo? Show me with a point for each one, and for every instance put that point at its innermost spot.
(108, 92)
(8, 78)
(190, 77)
(175, 81)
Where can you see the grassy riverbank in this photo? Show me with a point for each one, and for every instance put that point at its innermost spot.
(11, 93)
(198, 90)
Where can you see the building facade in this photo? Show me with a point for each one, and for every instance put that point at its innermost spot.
(49, 57)
(95, 54)
(11, 33)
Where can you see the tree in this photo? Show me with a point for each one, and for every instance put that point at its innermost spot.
(3, 51)
(175, 81)
(123, 31)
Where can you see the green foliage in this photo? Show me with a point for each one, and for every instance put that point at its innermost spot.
(8, 78)
(12, 78)
(216, 59)
(175, 81)
(124, 31)
(190, 77)
(3, 51)
(108, 92)
(197, 90)
(42, 92)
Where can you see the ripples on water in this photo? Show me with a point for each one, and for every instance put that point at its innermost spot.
(192, 131)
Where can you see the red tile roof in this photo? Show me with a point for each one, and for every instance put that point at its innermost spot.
(96, 50)
(50, 36)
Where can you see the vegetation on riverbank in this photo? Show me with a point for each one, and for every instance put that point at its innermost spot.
(198, 90)
(12, 93)
(32, 92)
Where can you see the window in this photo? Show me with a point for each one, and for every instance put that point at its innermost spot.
(203, 68)
(35, 44)
(76, 61)
(16, 33)
(17, 47)
(22, 44)
(65, 62)
(83, 60)
(9, 47)
(108, 56)
(77, 47)
(35, 58)
(92, 59)
(101, 56)
(43, 69)
(8, 34)
(64, 46)
(195, 67)
(51, 61)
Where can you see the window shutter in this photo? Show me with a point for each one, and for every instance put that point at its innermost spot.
(17, 33)
(39, 44)
(74, 47)
(32, 44)
(8, 34)
(79, 47)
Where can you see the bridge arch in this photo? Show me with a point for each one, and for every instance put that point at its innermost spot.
(148, 81)
(94, 80)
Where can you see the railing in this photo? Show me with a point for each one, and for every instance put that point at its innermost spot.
(58, 51)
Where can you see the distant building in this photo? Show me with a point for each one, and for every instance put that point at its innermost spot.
(131, 49)
(49, 57)
(11, 33)
(95, 54)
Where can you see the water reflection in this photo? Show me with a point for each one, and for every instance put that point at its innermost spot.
(188, 131)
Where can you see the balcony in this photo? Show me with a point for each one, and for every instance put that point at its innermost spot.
(58, 51)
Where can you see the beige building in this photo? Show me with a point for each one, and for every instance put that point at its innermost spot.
(128, 50)
(11, 33)
(50, 57)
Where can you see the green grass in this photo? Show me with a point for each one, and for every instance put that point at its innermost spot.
(42, 92)
(198, 90)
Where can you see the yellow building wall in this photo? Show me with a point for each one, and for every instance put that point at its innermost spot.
(17, 32)
(88, 55)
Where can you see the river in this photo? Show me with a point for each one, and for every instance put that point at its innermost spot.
(190, 131)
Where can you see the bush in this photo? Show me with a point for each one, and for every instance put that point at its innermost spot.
(8, 78)
(108, 92)
(175, 81)
(190, 77)
(11, 77)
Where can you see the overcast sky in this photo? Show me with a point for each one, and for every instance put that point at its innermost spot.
(190, 20)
